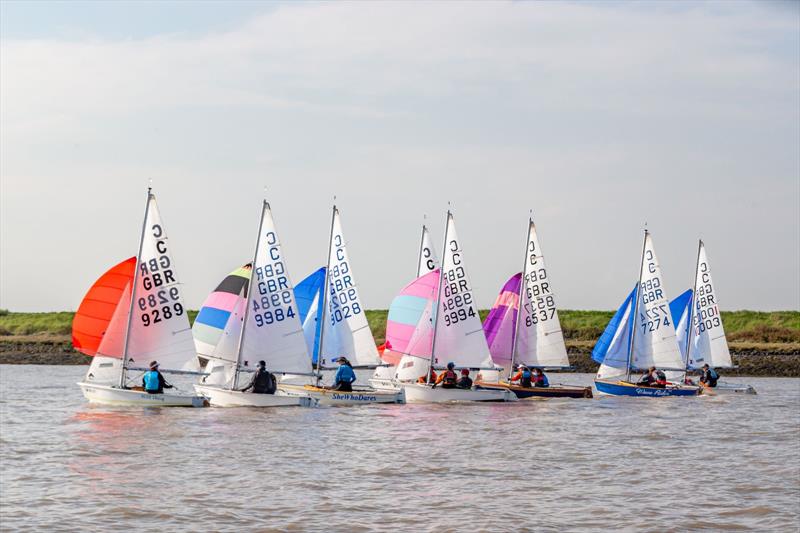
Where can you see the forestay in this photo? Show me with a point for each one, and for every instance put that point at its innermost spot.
(427, 262)
(459, 334)
(540, 341)
(654, 340)
(346, 331)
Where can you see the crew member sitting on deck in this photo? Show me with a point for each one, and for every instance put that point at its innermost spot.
(448, 378)
(523, 375)
(432, 377)
(539, 379)
(709, 376)
(263, 382)
(654, 378)
(153, 382)
(465, 382)
(345, 376)
(649, 379)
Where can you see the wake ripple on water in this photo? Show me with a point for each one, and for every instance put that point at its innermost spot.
(628, 464)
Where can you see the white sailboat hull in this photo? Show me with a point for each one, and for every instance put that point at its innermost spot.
(423, 393)
(108, 395)
(728, 388)
(359, 396)
(220, 397)
(383, 378)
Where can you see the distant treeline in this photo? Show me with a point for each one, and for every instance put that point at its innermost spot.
(741, 326)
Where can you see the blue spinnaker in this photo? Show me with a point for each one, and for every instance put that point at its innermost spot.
(308, 294)
(679, 310)
(612, 348)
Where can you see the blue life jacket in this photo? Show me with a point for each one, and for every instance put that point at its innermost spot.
(151, 380)
(525, 380)
(344, 374)
(545, 381)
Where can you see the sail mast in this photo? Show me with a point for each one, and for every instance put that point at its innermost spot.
(520, 304)
(438, 299)
(421, 247)
(692, 302)
(235, 382)
(325, 296)
(133, 292)
(636, 307)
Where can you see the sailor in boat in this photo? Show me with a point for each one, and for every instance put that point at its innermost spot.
(539, 379)
(345, 376)
(153, 381)
(448, 379)
(653, 378)
(263, 382)
(524, 376)
(432, 377)
(465, 382)
(709, 377)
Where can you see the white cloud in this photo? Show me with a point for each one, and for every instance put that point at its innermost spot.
(565, 107)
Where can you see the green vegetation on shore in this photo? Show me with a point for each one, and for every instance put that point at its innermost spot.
(742, 326)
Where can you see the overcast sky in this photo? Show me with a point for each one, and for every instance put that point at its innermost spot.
(597, 116)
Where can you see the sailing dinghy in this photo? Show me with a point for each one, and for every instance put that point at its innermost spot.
(640, 335)
(529, 334)
(455, 332)
(343, 332)
(405, 312)
(263, 325)
(134, 314)
(701, 334)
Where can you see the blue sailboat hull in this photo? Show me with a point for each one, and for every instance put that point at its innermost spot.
(624, 388)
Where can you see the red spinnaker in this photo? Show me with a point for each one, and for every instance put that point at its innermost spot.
(95, 312)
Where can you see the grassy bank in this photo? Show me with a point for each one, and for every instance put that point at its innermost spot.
(763, 343)
(744, 326)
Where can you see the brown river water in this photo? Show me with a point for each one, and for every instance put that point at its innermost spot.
(671, 464)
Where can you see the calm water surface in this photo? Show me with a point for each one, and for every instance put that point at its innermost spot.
(672, 464)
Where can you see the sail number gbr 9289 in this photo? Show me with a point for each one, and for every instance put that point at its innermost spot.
(161, 299)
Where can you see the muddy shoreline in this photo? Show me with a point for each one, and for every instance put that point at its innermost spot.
(751, 359)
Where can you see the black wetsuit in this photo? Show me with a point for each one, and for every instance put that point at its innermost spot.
(464, 383)
(263, 382)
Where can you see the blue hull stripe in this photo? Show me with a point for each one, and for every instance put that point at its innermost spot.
(650, 392)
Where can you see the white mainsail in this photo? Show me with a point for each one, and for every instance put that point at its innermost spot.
(427, 261)
(272, 331)
(709, 344)
(459, 334)
(159, 328)
(654, 340)
(540, 341)
(345, 328)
